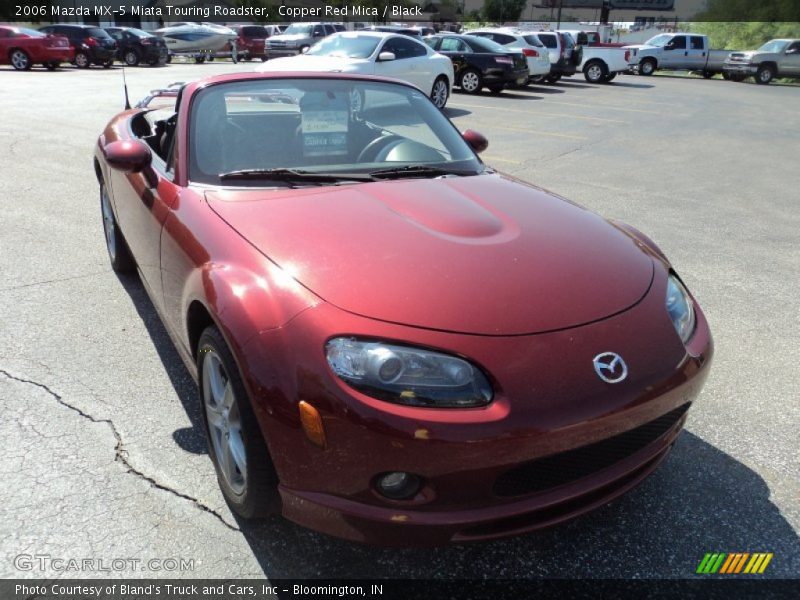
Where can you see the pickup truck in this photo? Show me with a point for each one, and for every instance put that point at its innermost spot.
(602, 64)
(678, 51)
(776, 58)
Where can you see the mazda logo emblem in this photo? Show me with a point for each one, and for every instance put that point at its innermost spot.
(610, 367)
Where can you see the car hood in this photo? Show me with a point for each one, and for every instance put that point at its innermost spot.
(481, 255)
(302, 62)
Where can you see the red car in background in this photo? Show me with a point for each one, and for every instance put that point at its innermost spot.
(393, 342)
(250, 43)
(22, 48)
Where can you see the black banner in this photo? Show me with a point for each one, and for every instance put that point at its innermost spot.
(289, 589)
(105, 12)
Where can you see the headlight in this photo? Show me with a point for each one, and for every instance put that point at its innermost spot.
(406, 375)
(680, 308)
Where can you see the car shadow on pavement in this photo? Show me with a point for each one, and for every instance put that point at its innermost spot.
(191, 439)
(542, 88)
(700, 500)
(625, 84)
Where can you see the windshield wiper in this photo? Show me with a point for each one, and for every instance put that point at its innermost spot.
(294, 175)
(417, 171)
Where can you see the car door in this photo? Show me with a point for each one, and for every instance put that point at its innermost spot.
(696, 53)
(457, 51)
(406, 64)
(675, 53)
(791, 60)
(142, 202)
(5, 46)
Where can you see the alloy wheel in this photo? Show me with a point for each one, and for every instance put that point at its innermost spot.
(439, 94)
(470, 82)
(20, 60)
(224, 422)
(81, 60)
(594, 73)
(131, 59)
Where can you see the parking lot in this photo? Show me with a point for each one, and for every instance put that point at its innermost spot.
(104, 453)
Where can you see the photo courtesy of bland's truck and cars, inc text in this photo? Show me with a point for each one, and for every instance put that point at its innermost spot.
(403, 299)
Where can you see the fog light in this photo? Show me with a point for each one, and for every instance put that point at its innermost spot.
(398, 485)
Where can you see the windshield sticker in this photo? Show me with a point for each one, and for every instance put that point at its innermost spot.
(324, 127)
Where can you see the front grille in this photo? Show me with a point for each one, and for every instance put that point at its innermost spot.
(559, 469)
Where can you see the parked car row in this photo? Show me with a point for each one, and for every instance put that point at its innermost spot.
(691, 51)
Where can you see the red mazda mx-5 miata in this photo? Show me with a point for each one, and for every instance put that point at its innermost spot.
(393, 343)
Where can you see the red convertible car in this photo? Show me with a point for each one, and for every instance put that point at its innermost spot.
(22, 48)
(393, 343)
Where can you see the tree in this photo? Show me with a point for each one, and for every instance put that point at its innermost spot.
(501, 11)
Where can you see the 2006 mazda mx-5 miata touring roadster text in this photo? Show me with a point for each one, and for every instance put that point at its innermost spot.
(393, 343)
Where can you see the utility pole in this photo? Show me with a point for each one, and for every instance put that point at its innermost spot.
(604, 12)
(560, 6)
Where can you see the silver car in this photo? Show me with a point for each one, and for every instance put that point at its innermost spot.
(776, 58)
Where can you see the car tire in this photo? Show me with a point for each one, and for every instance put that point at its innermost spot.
(20, 60)
(169, 58)
(51, 66)
(647, 67)
(118, 252)
(131, 58)
(725, 76)
(82, 60)
(496, 89)
(595, 71)
(236, 445)
(609, 78)
(708, 74)
(440, 92)
(536, 79)
(264, 59)
(471, 81)
(765, 74)
(552, 78)
(108, 64)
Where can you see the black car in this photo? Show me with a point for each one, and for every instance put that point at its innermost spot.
(480, 63)
(135, 46)
(92, 45)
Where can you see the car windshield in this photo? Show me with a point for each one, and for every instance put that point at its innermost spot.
(96, 32)
(139, 33)
(659, 41)
(298, 29)
(482, 44)
(320, 127)
(775, 46)
(30, 32)
(349, 45)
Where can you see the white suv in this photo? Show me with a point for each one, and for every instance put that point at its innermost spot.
(528, 43)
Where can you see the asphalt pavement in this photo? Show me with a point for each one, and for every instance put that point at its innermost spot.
(103, 452)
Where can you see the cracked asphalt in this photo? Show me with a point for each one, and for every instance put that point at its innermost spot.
(103, 455)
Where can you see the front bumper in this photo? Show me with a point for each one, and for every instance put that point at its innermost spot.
(281, 52)
(740, 68)
(549, 408)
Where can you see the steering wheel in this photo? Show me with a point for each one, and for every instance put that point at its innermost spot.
(371, 150)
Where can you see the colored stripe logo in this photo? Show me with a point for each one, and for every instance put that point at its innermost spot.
(732, 563)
